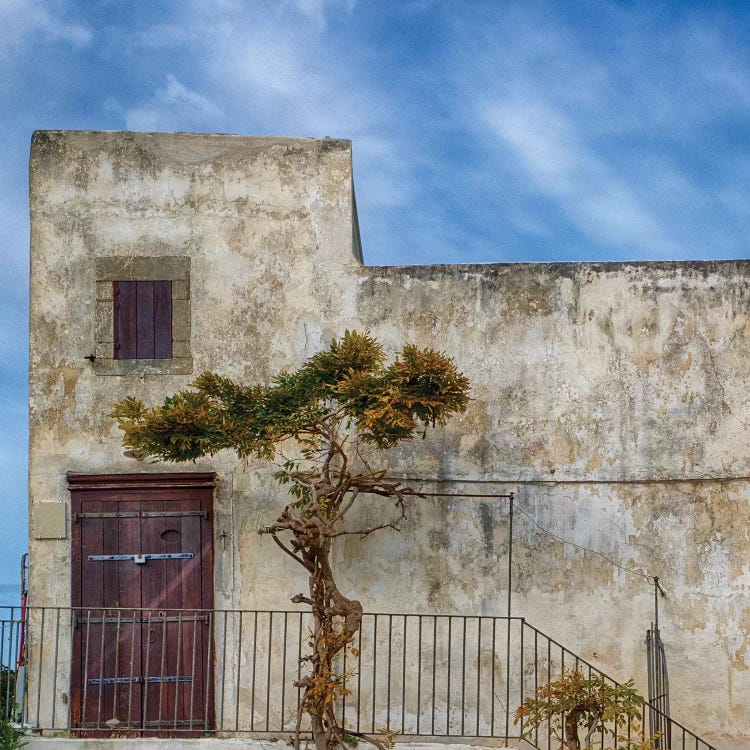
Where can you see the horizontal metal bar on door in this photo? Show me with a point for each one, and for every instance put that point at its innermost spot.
(128, 680)
(143, 514)
(83, 620)
(140, 559)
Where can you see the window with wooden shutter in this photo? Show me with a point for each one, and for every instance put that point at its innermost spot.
(143, 312)
(142, 319)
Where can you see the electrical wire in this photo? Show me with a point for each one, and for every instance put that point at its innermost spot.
(519, 509)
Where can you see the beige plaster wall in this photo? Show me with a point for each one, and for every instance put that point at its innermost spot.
(611, 398)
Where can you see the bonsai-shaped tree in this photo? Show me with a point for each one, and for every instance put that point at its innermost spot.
(337, 398)
(575, 701)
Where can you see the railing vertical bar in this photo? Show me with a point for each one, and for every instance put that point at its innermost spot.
(138, 615)
(101, 672)
(463, 676)
(192, 672)
(549, 679)
(536, 678)
(390, 650)
(283, 669)
(492, 679)
(507, 678)
(562, 670)
(448, 702)
(239, 673)
(520, 728)
(18, 652)
(419, 671)
(177, 691)
(359, 676)
(163, 665)
(7, 664)
(268, 672)
(374, 665)
(146, 668)
(54, 665)
(207, 682)
(629, 725)
(7, 715)
(434, 668)
(343, 685)
(479, 669)
(39, 669)
(223, 672)
(299, 665)
(115, 690)
(14, 650)
(403, 682)
(72, 636)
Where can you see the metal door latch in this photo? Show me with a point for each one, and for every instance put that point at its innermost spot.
(142, 559)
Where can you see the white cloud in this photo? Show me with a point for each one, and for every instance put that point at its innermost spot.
(172, 106)
(22, 18)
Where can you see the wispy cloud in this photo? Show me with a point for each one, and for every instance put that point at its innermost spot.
(600, 203)
(23, 18)
(623, 124)
(174, 102)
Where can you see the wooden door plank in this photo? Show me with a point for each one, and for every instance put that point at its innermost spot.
(107, 647)
(191, 694)
(92, 598)
(128, 697)
(153, 586)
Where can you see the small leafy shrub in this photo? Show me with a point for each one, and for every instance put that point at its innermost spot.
(11, 738)
(576, 701)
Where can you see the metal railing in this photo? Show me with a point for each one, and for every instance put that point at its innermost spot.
(126, 672)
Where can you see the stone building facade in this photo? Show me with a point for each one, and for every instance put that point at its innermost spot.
(611, 398)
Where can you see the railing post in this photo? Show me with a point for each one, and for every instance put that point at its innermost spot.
(507, 645)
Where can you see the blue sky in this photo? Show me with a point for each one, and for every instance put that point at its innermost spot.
(482, 131)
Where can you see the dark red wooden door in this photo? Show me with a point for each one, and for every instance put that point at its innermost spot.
(143, 593)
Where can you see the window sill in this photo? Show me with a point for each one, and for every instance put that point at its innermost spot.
(174, 366)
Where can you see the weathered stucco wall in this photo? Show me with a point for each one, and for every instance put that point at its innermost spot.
(611, 398)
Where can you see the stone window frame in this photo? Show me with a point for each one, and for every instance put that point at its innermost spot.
(141, 268)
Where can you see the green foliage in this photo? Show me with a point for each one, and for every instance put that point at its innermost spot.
(593, 703)
(7, 692)
(347, 384)
(11, 738)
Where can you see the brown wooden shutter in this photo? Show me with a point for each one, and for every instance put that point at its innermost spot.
(143, 319)
(162, 319)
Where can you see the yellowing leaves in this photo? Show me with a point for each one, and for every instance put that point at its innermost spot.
(348, 385)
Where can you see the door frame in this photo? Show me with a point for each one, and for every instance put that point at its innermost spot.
(80, 485)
